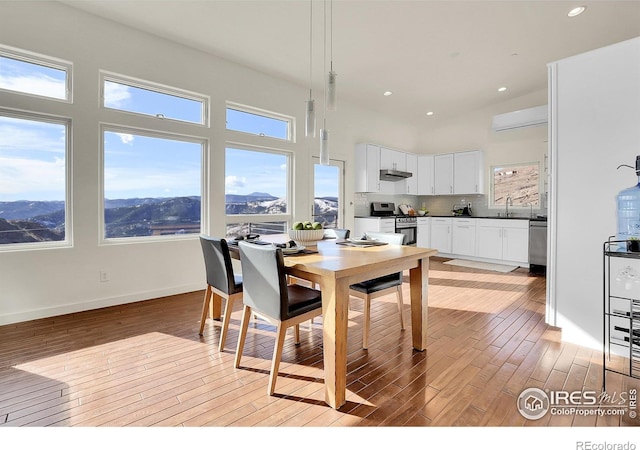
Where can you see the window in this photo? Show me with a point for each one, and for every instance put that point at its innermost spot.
(34, 151)
(261, 123)
(256, 191)
(520, 182)
(328, 188)
(150, 99)
(33, 74)
(151, 184)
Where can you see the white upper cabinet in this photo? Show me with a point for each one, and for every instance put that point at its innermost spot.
(468, 173)
(367, 168)
(411, 183)
(424, 177)
(392, 159)
(443, 174)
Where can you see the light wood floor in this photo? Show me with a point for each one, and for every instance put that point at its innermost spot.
(144, 364)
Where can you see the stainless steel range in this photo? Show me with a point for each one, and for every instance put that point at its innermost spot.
(407, 225)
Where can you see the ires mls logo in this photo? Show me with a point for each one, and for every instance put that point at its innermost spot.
(533, 403)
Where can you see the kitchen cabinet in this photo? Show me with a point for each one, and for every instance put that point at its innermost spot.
(503, 239)
(463, 240)
(411, 183)
(423, 238)
(363, 225)
(367, 168)
(392, 159)
(425, 175)
(443, 174)
(441, 234)
(468, 173)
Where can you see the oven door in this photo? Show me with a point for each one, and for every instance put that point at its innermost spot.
(410, 233)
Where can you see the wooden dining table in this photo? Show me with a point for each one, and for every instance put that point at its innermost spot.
(334, 268)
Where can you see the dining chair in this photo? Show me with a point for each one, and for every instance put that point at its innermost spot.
(380, 286)
(337, 233)
(266, 292)
(221, 281)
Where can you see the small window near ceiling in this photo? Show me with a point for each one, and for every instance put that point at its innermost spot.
(32, 74)
(150, 99)
(257, 122)
(519, 182)
(151, 184)
(34, 151)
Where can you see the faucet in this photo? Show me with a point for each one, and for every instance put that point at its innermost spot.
(506, 205)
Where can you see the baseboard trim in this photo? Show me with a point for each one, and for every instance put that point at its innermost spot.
(70, 308)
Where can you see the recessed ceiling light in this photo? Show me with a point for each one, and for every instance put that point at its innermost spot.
(502, 89)
(387, 93)
(576, 11)
(430, 113)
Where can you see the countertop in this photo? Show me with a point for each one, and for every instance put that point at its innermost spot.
(536, 219)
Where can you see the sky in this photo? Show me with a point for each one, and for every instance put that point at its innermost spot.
(32, 152)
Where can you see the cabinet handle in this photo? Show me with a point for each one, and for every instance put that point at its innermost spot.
(451, 189)
(432, 189)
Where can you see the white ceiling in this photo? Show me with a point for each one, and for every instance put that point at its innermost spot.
(449, 56)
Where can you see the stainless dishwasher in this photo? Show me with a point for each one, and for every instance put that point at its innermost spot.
(537, 245)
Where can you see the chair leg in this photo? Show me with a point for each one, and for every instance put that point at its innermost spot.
(246, 316)
(205, 308)
(225, 322)
(296, 334)
(367, 322)
(400, 306)
(277, 354)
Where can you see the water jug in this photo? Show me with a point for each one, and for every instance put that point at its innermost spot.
(628, 201)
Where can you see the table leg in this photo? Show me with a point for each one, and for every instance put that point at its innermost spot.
(335, 301)
(419, 283)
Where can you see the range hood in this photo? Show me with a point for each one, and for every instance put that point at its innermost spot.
(394, 175)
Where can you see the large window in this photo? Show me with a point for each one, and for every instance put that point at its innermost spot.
(258, 122)
(152, 184)
(518, 182)
(33, 74)
(150, 99)
(34, 151)
(256, 191)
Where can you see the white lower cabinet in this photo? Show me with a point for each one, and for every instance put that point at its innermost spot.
(463, 241)
(424, 232)
(441, 234)
(503, 239)
(374, 224)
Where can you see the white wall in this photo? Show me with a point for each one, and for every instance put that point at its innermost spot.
(43, 283)
(595, 127)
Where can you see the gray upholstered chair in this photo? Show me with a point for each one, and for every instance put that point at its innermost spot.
(267, 293)
(221, 281)
(377, 287)
(337, 233)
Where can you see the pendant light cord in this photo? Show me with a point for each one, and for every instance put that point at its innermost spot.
(310, 49)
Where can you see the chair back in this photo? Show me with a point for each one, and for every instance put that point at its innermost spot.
(217, 261)
(338, 233)
(389, 238)
(264, 279)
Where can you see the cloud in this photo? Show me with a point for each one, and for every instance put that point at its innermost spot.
(20, 176)
(283, 166)
(125, 138)
(115, 95)
(22, 135)
(233, 181)
(34, 84)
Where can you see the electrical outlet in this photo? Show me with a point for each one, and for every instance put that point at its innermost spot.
(104, 276)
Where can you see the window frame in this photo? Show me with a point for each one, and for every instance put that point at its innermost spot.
(41, 60)
(204, 194)
(160, 89)
(493, 206)
(289, 120)
(262, 218)
(67, 242)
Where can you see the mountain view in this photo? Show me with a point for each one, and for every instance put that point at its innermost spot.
(39, 221)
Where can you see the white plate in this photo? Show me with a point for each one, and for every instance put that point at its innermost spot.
(292, 250)
(363, 241)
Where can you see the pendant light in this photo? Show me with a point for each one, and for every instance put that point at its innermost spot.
(331, 77)
(324, 133)
(310, 113)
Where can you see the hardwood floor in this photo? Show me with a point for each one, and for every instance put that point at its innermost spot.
(143, 364)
